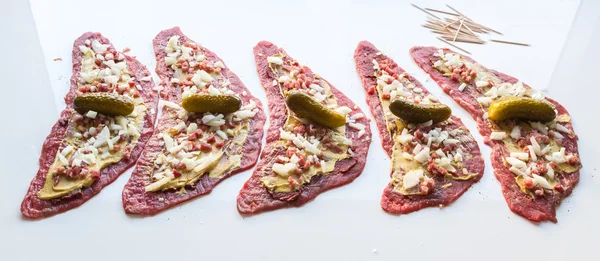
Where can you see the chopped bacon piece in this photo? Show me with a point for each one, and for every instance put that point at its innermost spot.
(371, 90)
(211, 139)
(176, 174)
(528, 183)
(94, 173)
(205, 147)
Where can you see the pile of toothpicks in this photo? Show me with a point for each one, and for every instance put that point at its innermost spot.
(457, 27)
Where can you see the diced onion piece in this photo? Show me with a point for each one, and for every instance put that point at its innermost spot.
(536, 146)
(404, 137)
(192, 128)
(170, 60)
(62, 159)
(412, 178)
(275, 60)
(462, 87)
(540, 127)
(516, 132)
(283, 170)
(423, 155)
(67, 150)
(562, 128)
(559, 156)
(344, 110)
(482, 83)
(221, 134)
(91, 114)
(498, 135)
(550, 172)
(484, 100)
(541, 181)
(516, 162)
(517, 171)
(532, 153)
(520, 155)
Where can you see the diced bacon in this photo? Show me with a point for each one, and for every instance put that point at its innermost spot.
(528, 183)
(205, 146)
(176, 173)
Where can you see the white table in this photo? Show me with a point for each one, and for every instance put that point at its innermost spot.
(345, 224)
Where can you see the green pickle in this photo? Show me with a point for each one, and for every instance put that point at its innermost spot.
(521, 108)
(419, 113)
(306, 107)
(211, 103)
(110, 104)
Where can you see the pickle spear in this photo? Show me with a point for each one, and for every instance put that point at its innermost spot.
(521, 108)
(211, 103)
(419, 113)
(110, 104)
(306, 107)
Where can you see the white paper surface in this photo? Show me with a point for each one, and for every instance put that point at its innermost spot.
(346, 223)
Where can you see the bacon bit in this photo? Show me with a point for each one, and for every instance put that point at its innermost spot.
(302, 160)
(127, 152)
(528, 183)
(553, 165)
(573, 160)
(541, 167)
(300, 129)
(95, 174)
(559, 188)
(176, 174)
(83, 89)
(116, 147)
(371, 90)
(60, 169)
(455, 76)
(298, 171)
(306, 165)
(180, 165)
(57, 59)
(205, 147)
(389, 80)
(318, 163)
(220, 144)
(291, 151)
(211, 139)
(449, 147)
(386, 96)
(98, 62)
(126, 49)
(195, 135)
(418, 134)
(293, 183)
(427, 187)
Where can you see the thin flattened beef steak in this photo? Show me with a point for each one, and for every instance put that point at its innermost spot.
(432, 163)
(537, 163)
(86, 150)
(303, 158)
(191, 152)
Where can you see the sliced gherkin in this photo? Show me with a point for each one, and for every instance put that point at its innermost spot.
(110, 104)
(211, 103)
(521, 108)
(306, 107)
(419, 113)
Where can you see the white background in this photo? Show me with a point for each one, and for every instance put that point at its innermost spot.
(343, 224)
